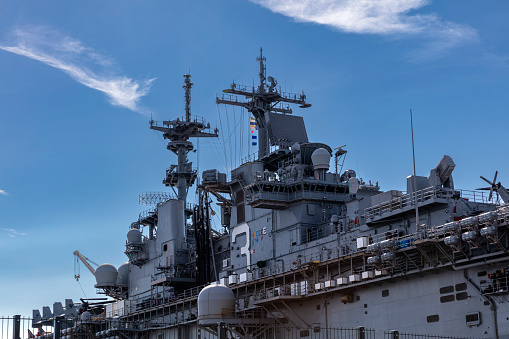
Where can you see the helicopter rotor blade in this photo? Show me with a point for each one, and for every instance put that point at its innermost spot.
(495, 179)
(483, 178)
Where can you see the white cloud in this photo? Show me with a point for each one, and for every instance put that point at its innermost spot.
(75, 59)
(496, 60)
(12, 232)
(382, 17)
(3, 192)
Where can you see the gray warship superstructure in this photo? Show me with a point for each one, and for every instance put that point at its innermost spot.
(304, 252)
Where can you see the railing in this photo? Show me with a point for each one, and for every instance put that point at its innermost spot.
(193, 118)
(147, 213)
(318, 332)
(425, 194)
(250, 158)
(146, 300)
(16, 326)
(20, 327)
(498, 283)
(406, 200)
(397, 335)
(292, 196)
(476, 196)
(319, 232)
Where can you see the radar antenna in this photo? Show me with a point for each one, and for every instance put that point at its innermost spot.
(179, 131)
(262, 100)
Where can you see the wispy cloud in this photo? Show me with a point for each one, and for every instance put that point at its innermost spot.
(12, 232)
(72, 57)
(381, 17)
(3, 192)
(496, 60)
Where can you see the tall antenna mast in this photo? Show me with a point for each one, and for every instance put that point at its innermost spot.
(178, 131)
(187, 86)
(415, 175)
(262, 100)
(262, 74)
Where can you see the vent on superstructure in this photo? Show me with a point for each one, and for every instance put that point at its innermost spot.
(473, 319)
(447, 298)
(461, 287)
(432, 318)
(304, 333)
(385, 293)
(226, 262)
(446, 289)
(462, 296)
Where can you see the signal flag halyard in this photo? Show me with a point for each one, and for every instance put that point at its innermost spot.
(254, 127)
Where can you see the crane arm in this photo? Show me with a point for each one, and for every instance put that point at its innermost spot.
(85, 261)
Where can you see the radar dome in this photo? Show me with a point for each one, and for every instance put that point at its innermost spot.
(295, 148)
(86, 316)
(134, 236)
(320, 159)
(106, 275)
(215, 302)
(123, 274)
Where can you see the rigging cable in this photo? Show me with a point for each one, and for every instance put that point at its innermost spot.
(229, 133)
(235, 138)
(82, 289)
(222, 136)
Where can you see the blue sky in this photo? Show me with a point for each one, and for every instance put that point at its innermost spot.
(79, 82)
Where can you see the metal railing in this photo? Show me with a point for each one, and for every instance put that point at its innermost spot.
(16, 327)
(498, 283)
(20, 327)
(397, 335)
(476, 196)
(147, 213)
(425, 194)
(193, 118)
(292, 196)
(250, 158)
(146, 300)
(318, 332)
(406, 200)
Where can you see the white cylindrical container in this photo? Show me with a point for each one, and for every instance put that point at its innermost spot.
(215, 302)
(106, 275)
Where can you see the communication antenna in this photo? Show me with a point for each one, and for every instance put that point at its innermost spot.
(337, 155)
(415, 177)
(263, 99)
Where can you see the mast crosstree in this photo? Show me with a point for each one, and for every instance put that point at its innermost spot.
(179, 131)
(264, 99)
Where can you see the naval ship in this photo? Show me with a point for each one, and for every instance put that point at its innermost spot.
(304, 250)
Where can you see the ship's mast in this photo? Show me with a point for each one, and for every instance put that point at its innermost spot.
(187, 86)
(179, 131)
(262, 101)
